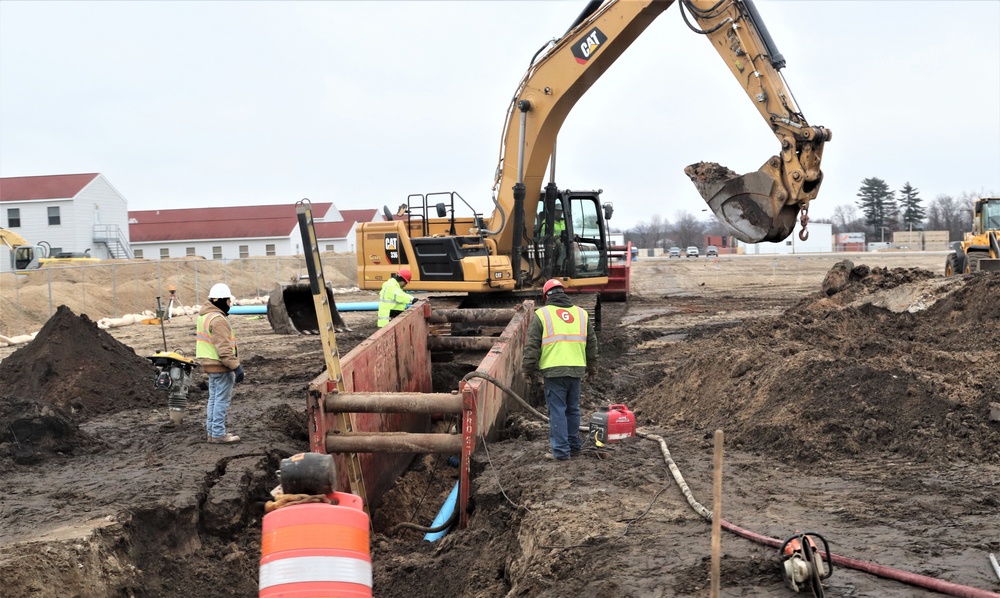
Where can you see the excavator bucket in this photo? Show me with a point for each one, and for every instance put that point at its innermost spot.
(291, 309)
(746, 204)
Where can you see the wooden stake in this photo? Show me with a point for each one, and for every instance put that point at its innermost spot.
(717, 517)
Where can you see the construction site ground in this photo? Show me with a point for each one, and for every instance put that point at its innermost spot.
(854, 398)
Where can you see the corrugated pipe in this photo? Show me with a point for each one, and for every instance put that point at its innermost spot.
(913, 579)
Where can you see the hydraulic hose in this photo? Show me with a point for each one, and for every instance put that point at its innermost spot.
(913, 579)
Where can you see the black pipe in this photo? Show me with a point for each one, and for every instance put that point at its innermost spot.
(591, 7)
(777, 60)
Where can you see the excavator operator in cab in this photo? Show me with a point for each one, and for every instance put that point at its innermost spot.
(391, 299)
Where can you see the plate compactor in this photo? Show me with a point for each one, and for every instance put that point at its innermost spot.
(173, 373)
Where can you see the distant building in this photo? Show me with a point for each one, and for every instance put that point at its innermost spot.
(68, 212)
(240, 231)
(820, 241)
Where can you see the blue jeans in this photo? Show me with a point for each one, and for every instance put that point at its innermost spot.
(562, 395)
(220, 393)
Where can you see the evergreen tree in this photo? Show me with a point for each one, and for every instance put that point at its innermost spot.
(878, 204)
(913, 212)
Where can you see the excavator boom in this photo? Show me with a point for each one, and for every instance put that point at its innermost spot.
(760, 206)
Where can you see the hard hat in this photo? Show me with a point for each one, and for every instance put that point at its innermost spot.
(220, 291)
(404, 273)
(549, 285)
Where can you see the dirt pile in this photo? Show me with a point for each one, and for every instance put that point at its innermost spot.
(70, 372)
(879, 360)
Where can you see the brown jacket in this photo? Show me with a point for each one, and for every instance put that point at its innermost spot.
(221, 330)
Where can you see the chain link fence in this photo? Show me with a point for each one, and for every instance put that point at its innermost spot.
(119, 287)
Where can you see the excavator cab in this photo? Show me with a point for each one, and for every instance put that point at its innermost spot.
(577, 244)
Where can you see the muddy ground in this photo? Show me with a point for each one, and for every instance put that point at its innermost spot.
(854, 399)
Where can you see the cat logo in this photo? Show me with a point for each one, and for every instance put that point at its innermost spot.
(589, 45)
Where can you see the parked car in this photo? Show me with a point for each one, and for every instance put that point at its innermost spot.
(711, 250)
(691, 251)
(674, 252)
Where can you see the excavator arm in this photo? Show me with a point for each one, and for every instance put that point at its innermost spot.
(759, 206)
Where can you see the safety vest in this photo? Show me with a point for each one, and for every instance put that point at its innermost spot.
(203, 346)
(559, 226)
(390, 298)
(564, 339)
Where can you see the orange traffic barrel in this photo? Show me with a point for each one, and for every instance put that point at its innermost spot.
(316, 550)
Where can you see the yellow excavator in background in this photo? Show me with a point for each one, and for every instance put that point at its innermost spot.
(524, 242)
(979, 251)
(23, 255)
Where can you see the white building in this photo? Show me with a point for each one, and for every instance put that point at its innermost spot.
(240, 231)
(820, 241)
(71, 213)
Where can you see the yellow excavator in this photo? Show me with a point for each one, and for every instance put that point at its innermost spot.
(23, 255)
(537, 233)
(979, 251)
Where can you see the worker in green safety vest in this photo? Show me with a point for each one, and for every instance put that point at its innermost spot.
(391, 299)
(216, 351)
(559, 236)
(562, 345)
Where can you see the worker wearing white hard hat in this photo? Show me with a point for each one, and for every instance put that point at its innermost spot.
(217, 353)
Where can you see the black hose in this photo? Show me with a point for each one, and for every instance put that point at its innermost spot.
(426, 530)
(507, 390)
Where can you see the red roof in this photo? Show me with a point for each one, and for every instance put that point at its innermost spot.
(239, 222)
(56, 186)
(340, 230)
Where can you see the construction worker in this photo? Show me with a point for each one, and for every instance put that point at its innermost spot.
(563, 346)
(391, 299)
(215, 348)
(559, 237)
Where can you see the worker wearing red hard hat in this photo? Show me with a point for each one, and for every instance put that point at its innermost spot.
(562, 345)
(391, 299)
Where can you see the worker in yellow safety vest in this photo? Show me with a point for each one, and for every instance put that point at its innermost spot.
(562, 345)
(391, 299)
(215, 348)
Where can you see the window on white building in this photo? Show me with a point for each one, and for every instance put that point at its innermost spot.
(217, 252)
(269, 250)
(13, 217)
(164, 253)
(138, 254)
(54, 219)
(190, 251)
(329, 248)
(244, 251)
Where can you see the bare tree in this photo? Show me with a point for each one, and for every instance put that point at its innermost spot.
(847, 219)
(687, 230)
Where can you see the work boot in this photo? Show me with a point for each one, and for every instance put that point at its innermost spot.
(552, 457)
(227, 439)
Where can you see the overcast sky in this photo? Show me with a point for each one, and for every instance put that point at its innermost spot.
(190, 104)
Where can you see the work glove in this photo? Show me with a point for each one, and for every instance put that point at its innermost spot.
(592, 372)
(413, 300)
(239, 374)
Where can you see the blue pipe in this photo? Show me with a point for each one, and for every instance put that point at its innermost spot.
(262, 309)
(248, 309)
(358, 306)
(444, 515)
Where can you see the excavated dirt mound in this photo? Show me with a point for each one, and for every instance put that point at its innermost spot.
(70, 372)
(78, 368)
(842, 372)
